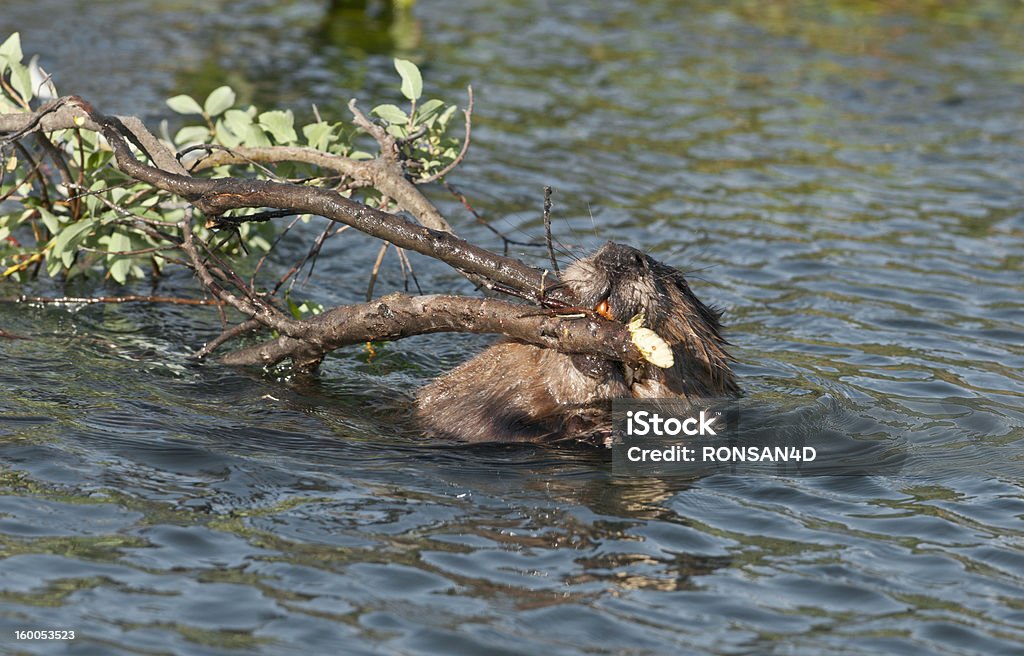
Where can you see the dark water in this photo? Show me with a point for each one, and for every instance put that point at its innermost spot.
(844, 178)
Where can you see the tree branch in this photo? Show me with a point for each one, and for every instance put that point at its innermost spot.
(61, 114)
(306, 342)
(213, 197)
(398, 315)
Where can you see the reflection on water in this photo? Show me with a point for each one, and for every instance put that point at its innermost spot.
(842, 177)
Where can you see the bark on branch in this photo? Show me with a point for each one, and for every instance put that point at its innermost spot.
(397, 316)
(306, 342)
(376, 173)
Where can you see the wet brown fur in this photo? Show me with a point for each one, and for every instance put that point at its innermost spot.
(515, 392)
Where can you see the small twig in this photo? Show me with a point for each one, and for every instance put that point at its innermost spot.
(226, 336)
(263, 258)
(547, 229)
(57, 157)
(209, 148)
(223, 316)
(376, 270)
(6, 335)
(35, 171)
(34, 121)
(407, 270)
(258, 217)
(468, 112)
(314, 253)
(226, 273)
(411, 137)
(141, 251)
(91, 300)
(9, 90)
(40, 174)
(147, 225)
(252, 306)
(387, 143)
(484, 222)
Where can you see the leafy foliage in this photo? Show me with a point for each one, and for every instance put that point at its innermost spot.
(66, 209)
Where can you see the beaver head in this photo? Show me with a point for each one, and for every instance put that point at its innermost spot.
(622, 282)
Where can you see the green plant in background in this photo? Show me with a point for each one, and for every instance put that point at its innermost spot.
(420, 131)
(67, 210)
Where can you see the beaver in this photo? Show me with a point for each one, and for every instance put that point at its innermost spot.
(517, 392)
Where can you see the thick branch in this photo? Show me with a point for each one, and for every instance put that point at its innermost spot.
(383, 175)
(397, 316)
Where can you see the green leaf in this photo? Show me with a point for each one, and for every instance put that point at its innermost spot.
(89, 138)
(221, 100)
(224, 136)
(50, 220)
(293, 307)
(237, 121)
(65, 242)
(10, 50)
(306, 308)
(92, 203)
(191, 134)
(426, 111)
(98, 159)
(255, 136)
(412, 81)
(446, 116)
(120, 265)
(53, 265)
(319, 135)
(280, 125)
(258, 243)
(117, 193)
(21, 80)
(184, 105)
(116, 243)
(391, 113)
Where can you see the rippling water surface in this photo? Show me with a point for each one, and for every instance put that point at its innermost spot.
(843, 178)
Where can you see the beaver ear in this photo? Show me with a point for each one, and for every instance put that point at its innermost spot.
(709, 315)
(684, 313)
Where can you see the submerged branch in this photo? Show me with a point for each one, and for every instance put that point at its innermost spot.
(397, 316)
(93, 300)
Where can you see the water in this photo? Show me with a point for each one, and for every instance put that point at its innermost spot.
(843, 178)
